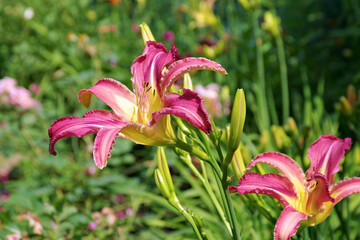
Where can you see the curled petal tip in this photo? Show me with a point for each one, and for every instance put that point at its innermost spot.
(180, 67)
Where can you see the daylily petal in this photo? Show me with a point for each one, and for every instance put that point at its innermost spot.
(157, 135)
(345, 188)
(103, 143)
(325, 155)
(91, 122)
(270, 184)
(148, 67)
(178, 68)
(318, 191)
(287, 166)
(188, 106)
(114, 94)
(288, 223)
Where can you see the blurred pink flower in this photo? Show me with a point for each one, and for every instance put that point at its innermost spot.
(34, 221)
(210, 94)
(11, 94)
(128, 211)
(91, 170)
(53, 224)
(7, 164)
(97, 217)
(106, 213)
(35, 88)
(124, 213)
(135, 28)
(14, 236)
(168, 36)
(119, 198)
(120, 214)
(22, 97)
(109, 214)
(92, 225)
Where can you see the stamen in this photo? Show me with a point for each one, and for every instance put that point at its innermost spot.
(312, 186)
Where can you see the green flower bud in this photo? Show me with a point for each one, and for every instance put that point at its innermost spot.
(146, 33)
(250, 5)
(291, 127)
(187, 82)
(282, 140)
(198, 220)
(164, 169)
(271, 24)
(237, 120)
(161, 184)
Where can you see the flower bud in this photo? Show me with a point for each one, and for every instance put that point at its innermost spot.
(271, 24)
(282, 141)
(161, 184)
(187, 82)
(291, 127)
(200, 223)
(351, 95)
(346, 108)
(250, 5)
(146, 33)
(237, 120)
(164, 169)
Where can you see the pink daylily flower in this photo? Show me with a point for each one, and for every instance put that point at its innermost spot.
(307, 197)
(143, 115)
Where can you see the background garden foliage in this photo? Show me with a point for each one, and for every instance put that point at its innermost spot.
(55, 48)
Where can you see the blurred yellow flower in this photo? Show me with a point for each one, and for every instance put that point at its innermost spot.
(271, 24)
(71, 37)
(250, 5)
(91, 15)
(204, 16)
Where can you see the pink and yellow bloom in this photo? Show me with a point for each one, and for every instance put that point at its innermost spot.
(308, 198)
(142, 115)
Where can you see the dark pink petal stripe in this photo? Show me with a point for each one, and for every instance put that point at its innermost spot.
(91, 122)
(189, 107)
(103, 143)
(288, 223)
(270, 184)
(287, 166)
(180, 67)
(150, 65)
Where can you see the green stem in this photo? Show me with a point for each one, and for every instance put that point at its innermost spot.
(224, 192)
(261, 93)
(225, 167)
(284, 79)
(233, 215)
(210, 192)
(192, 223)
(192, 150)
(229, 207)
(223, 198)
